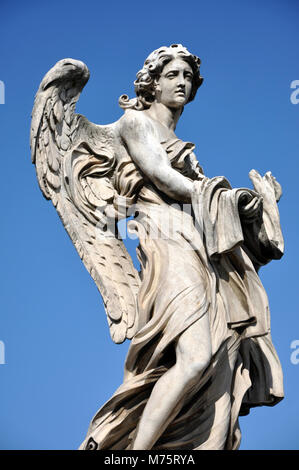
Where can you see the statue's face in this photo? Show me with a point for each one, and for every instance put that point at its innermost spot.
(175, 84)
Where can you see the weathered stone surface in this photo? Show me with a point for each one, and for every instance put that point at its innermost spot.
(197, 314)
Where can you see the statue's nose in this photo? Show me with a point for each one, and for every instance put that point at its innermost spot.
(181, 82)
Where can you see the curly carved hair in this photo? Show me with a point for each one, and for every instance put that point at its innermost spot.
(145, 83)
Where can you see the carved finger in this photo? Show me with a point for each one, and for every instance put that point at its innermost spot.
(253, 206)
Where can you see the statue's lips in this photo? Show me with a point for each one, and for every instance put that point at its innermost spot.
(180, 93)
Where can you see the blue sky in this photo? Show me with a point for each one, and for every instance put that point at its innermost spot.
(60, 364)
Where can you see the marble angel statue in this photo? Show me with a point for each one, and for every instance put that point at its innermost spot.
(197, 314)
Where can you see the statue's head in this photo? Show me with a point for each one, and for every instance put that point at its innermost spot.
(148, 77)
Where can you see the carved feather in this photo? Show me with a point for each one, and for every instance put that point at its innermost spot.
(75, 162)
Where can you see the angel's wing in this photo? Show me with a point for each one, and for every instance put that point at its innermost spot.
(75, 162)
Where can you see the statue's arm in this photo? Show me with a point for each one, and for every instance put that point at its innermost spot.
(143, 145)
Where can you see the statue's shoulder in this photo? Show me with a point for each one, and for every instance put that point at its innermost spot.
(135, 122)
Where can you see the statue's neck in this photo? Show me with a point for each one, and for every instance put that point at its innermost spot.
(167, 116)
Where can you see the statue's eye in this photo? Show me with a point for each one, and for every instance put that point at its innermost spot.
(171, 74)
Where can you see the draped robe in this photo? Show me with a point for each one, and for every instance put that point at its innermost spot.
(199, 259)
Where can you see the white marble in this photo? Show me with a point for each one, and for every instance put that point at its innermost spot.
(197, 314)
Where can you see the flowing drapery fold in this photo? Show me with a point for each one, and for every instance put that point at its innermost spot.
(197, 261)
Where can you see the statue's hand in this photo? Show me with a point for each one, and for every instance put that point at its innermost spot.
(250, 206)
(267, 186)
